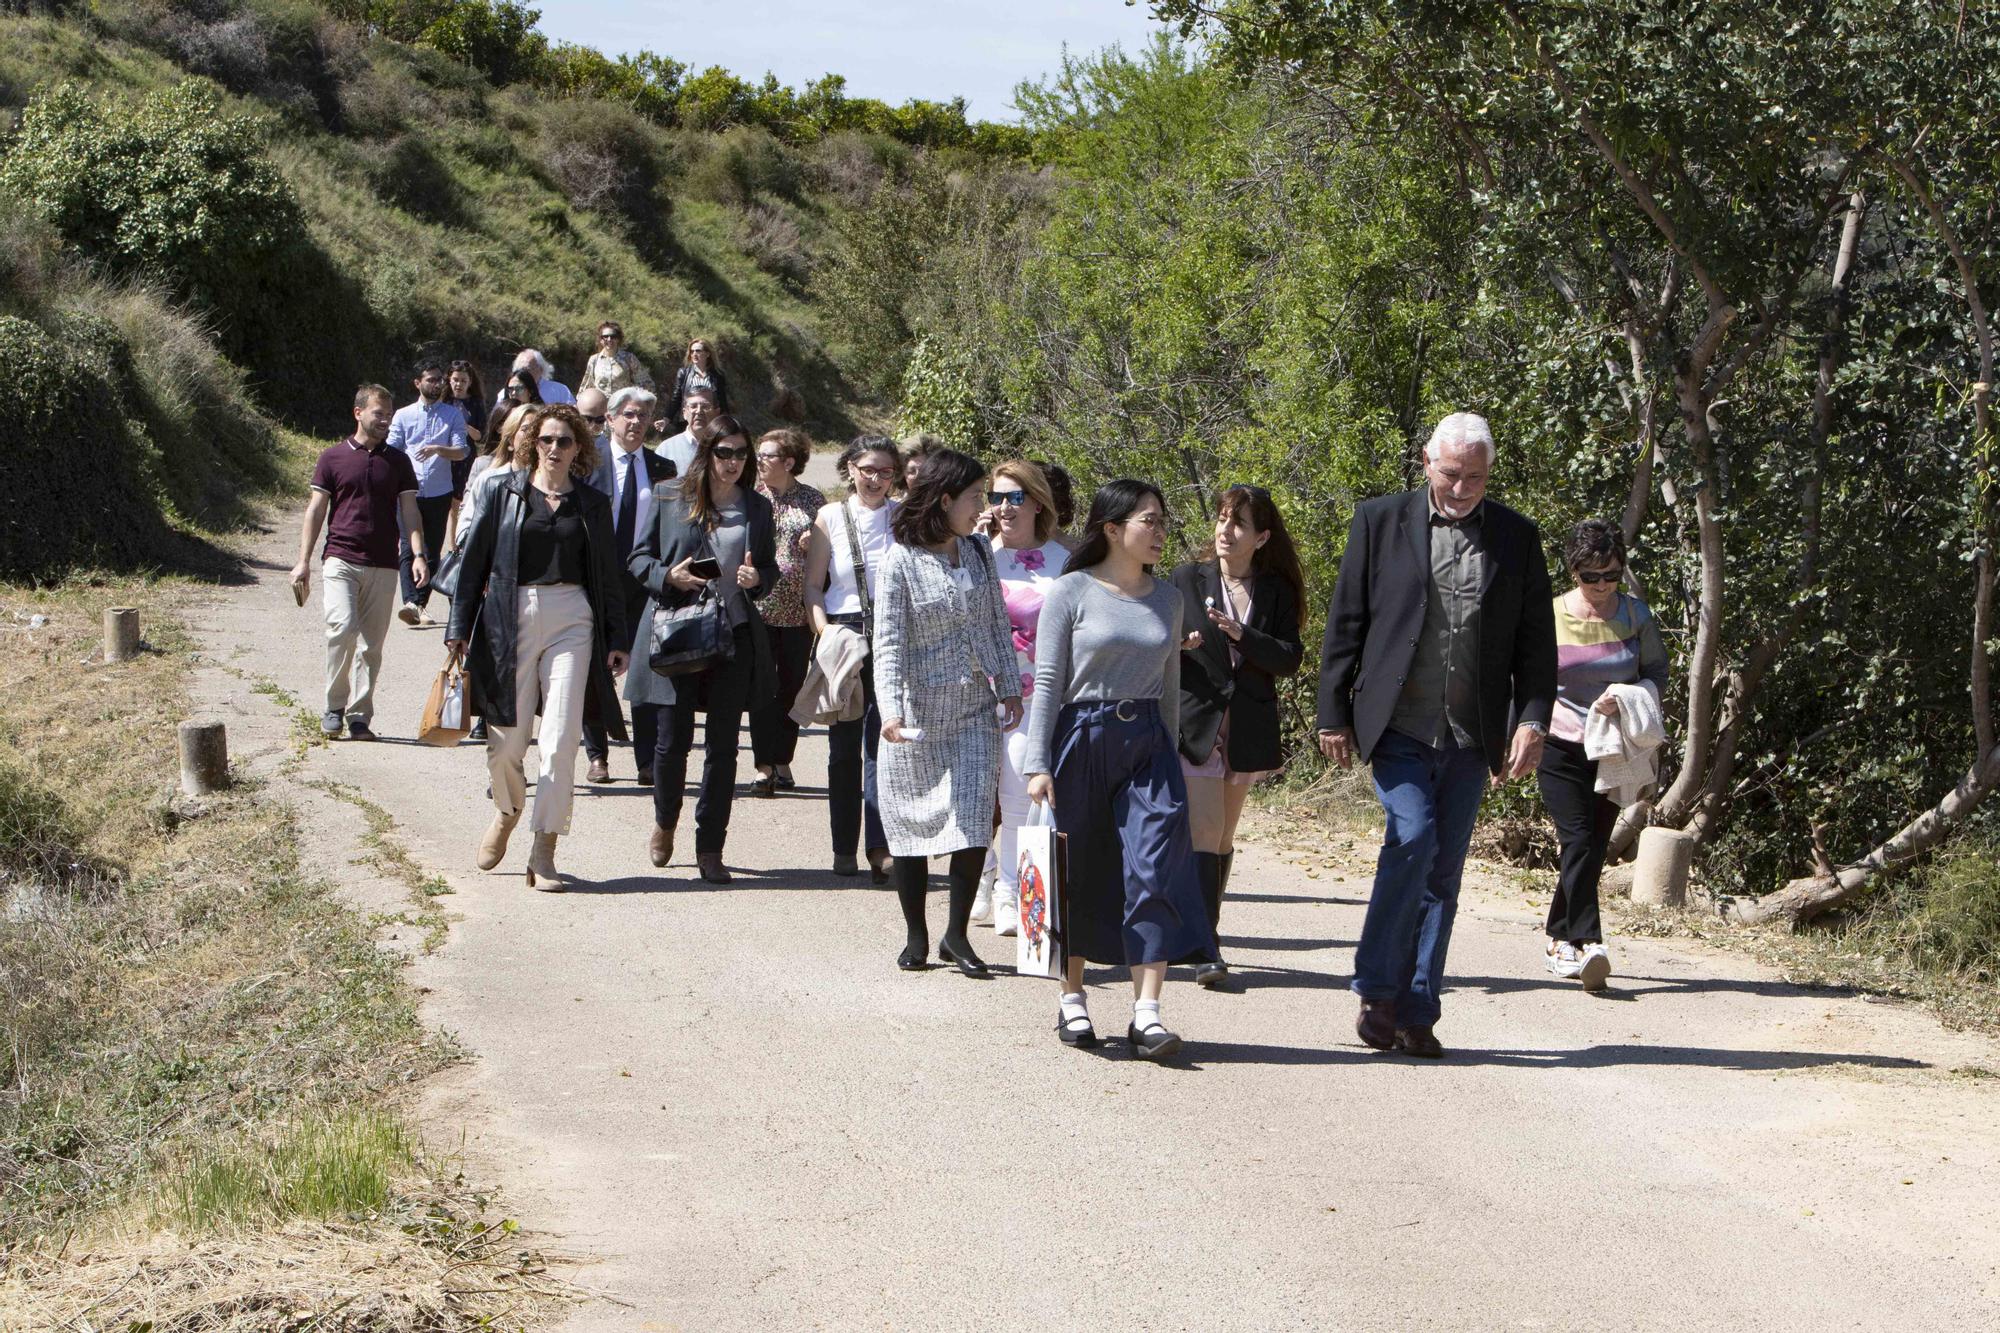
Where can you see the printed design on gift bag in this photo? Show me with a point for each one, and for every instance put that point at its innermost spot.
(1034, 904)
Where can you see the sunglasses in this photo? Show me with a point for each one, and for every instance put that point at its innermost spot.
(593, 420)
(1012, 499)
(770, 458)
(556, 441)
(610, 337)
(1610, 576)
(729, 453)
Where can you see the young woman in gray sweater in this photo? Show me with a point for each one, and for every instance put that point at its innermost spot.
(1102, 748)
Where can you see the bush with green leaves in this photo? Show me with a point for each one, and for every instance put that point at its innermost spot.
(174, 186)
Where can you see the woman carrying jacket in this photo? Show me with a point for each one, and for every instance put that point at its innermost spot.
(539, 608)
(707, 514)
(1245, 595)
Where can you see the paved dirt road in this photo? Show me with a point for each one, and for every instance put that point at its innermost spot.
(733, 1101)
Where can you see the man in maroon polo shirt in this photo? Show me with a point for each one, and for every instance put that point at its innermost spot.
(365, 495)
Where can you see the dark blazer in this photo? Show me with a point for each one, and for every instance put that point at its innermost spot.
(489, 577)
(658, 468)
(1247, 693)
(678, 397)
(1378, 613)
(671, 538)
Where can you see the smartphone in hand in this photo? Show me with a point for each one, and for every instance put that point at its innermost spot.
(705, 567)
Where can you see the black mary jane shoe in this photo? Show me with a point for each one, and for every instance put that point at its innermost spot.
(1211, 976)
(784, 780)
(764, 787)
(1155, 1043)
(963, 958)
(1082, 1035)
(913, 959)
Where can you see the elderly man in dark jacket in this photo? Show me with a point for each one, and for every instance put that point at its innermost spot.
(1439, 667)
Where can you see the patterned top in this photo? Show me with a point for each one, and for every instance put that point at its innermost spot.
(792, 516)
(1024, 579)
(610, 373)
(1593, 654)
(939, 627)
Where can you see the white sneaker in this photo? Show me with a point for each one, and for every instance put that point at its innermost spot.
(1595, 969)
(1006, 912)
(1564, 960)
(410, 615)
(982, 902)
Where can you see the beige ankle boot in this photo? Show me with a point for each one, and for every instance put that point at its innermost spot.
(494, 845)
(542, 872)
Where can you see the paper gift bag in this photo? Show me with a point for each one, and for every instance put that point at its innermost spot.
(446, 718)
(1041, 865)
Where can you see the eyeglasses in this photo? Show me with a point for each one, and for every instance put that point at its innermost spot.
(555, 441)
(1012, 499)
(875, 473)
(515, 390)
(1157, 522)
(730, 453)
(593, 420)
(770, 458)
(1607, 576)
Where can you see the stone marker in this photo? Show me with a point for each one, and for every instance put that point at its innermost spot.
(1660, 876)
(121, 633)
(204, 758)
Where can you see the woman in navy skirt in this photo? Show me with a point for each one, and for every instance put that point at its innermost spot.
(1102, 748)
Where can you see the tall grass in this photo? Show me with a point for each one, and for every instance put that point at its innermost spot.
(323, 1167)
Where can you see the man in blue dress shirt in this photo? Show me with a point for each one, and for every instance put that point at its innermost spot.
(432, 432)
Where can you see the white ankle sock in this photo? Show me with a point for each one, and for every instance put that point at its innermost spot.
(1146, 1014)
(1073, 1007)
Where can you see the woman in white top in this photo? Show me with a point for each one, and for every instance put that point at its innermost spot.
(854, 534)
(1021, 520)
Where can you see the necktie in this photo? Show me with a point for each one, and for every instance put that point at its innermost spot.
(628, 506)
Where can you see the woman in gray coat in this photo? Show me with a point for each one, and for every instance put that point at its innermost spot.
(706, 515)
(947, 683)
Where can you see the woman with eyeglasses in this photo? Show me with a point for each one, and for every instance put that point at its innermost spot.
(944, 662)
(1020, 519)
(1245, 593)
(843, 569)
(774, 737)
(709, 514)
(1101, 748)
(697, 371)
(522, 390)
(540, 616)
(612, 367)
(1604, 637)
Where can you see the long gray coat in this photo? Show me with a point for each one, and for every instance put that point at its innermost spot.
(670, 538)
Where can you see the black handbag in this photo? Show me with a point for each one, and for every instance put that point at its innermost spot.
(690, 638)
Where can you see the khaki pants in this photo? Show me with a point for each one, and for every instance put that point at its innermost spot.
(552, 669)
(358, 600)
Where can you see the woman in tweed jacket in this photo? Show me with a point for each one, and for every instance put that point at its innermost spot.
(944, 656)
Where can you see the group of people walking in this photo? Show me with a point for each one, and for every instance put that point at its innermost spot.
(972, 661)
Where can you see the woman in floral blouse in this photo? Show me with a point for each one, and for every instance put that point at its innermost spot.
(611, 367)
(781, 456)
(1021, 520)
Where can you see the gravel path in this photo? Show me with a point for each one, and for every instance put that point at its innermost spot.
(732, 1103)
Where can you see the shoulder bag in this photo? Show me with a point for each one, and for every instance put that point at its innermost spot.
(860, 576)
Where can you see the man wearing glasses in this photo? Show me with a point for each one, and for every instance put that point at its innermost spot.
(1441, 637)
(701, 409)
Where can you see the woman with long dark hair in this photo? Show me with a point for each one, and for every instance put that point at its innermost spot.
(698, 370)
(707, 515)
(944, 666)
(540, 607)
(522, 390)
(462, 387)
(1101, 747)
(1246, 594)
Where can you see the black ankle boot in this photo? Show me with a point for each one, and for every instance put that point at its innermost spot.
(1208, 869)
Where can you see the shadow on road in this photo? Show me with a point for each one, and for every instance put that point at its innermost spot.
(1199, 1053)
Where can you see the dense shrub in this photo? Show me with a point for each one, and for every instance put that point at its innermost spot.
(285, 52)
(772, 239)
(407, 172)
(604, 158)
(736, 167)
(174, 187)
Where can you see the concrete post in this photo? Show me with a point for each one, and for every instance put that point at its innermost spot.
(1660, 876)
(121, 633)
(204, 758)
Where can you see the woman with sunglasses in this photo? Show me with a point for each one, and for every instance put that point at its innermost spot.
(709, 514)
(843, 571)
(1604, 637)
(1101, 748)
(522, 390)
(1021, 521)
(944, 661)
(774, 737)
(611, 367)
(1246, 594)
(540, 609)
(697, 371)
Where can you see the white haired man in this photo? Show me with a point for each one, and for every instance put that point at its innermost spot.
(536, 364)
(1439, 667)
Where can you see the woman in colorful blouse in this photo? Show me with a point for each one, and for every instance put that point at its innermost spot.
(1021, 521)
(774, 738)
(1603, 638)
(611, 367)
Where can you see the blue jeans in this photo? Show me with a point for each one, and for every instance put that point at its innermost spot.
(1430, 797)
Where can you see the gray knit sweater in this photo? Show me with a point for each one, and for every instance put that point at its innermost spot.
(1092, 643)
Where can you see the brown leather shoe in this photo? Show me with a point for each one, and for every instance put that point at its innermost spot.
(600, 772)
(1421, 1042)
(709, 866)
(661, 845)
(645, 778)
(1376, 1023)
(493, 846)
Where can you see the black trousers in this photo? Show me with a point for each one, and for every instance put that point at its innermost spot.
(723, 691)
(432, 510)
(774, 737)
(850, 773)
(1584, 818)
(645, 717)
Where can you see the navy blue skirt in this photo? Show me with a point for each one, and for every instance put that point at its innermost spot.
(1132, 895)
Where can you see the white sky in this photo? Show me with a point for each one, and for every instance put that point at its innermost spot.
(893, 49)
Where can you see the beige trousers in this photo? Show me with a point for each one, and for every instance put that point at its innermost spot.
(551, 671)
(358, 601)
